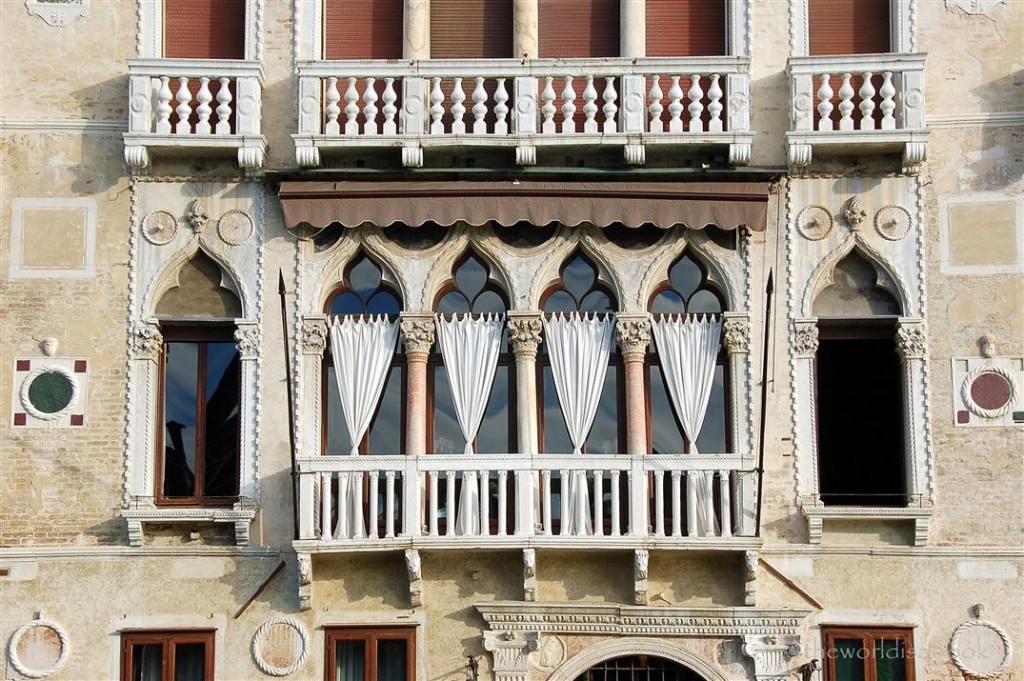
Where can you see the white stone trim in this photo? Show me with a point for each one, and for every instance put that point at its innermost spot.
(607, 650)
(18, 270)
(268, 667)
(58, 14)
(26, 384)
(946, 202)
(903, 23)
(19, 664)
(323, 620)
(959, 654)
(150, 29)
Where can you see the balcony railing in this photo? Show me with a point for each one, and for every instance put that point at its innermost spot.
(185, 104)
(632, 103)
(858, 104)
(520, 499)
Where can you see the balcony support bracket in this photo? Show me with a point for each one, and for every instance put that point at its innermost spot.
(305, 561)
(641, 559)
(415, 569)
(529, 575)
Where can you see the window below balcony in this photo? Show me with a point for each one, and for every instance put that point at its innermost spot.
(186, 655)
(868, 654)
(370, 654)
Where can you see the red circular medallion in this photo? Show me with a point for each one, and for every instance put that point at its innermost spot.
(990, 390)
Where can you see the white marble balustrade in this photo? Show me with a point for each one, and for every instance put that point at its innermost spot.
(520, 497)
(867, 99)
(195, 103)
(523, 104)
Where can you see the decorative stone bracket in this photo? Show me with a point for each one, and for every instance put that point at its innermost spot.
(511, 653)
(415, 569)
(529, 575)
(305, 581)
(771, 655)
(641, 559)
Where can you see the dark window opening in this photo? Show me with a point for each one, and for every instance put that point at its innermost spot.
(370, 654)
(167, 655)
(639, 668)
(868, 654)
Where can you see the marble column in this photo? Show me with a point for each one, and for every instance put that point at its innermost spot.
(416, 33)
(525, 29)
(417, 331)
(524, 329)
(634, 335)
(632, 28)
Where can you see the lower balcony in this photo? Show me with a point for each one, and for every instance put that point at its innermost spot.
(193, 108)
(857, 104)
(373, 503)
(701, 104)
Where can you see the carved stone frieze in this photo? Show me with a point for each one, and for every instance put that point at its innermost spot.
(805, 339)
(736, 334)
(524, 334)
(511, 653)
(911, 341)
(633, 335)
(974, 6)
(248, 339)
(314, 336)
(771, 655)
(417, 335)
(147, 342)
(58, 13)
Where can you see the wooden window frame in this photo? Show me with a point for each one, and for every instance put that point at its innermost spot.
(202, 333)
(168, 638)
(370, 635)
(868, 635)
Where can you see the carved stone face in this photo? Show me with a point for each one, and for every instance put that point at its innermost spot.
(49, 346)
(988, 346)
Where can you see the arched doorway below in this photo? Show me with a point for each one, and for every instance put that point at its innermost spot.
(639, 668)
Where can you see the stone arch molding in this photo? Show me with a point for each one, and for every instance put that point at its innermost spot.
(334, 274)
(166, 278)
(606, 650)
(460, 245)
(547, 273)
(714, 258)
(888, 279)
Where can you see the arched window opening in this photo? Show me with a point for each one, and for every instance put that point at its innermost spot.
(639, 668)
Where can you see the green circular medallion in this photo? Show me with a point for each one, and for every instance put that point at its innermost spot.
(50, 392)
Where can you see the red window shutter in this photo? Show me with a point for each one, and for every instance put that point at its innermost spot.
(579, 28)
(204, 29)
(470, 29)
(363, 29)
(848, 27)
(685, 28)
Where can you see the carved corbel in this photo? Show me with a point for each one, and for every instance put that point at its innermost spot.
(417, 334)
(750, 578)
(641, 558)
(524, 334)
(147, 343)
(305, 580)
(771, 655)
(248, 338)
(910, 340)
(415, 571)
(529, 575)
(314, 337)
(736, 335)
(511, 653)
(805, 338)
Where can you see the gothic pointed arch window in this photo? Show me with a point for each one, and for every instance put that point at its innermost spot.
(365, 292)
(579, 290)
(689, 292)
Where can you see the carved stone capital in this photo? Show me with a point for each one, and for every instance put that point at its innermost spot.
(805, 338)
(511, 653)
(147, 342)
(633, 334)
(524, 334)
(910, 340)
(248, 339)
(314, 337)
(736, 334)
(418, 334)
(771, 655)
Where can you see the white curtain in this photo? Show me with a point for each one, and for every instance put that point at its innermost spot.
(470, 349)
(578, 346)
(688, 347)
(362, 348)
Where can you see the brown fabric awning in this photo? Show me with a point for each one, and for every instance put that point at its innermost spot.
(726, 205)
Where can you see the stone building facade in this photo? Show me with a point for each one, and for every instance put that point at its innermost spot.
(209, 206)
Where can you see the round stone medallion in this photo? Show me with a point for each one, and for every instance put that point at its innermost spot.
(892, 222)
(280, 646)
(980, 649)
(49, 392)
(989, 392)
(815, 223)
(159, 227)
(235, 227)
(38, 649)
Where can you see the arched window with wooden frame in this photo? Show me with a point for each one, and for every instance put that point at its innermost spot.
(687, 291)
(365, 292)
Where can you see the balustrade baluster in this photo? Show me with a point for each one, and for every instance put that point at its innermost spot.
(548, 109)
(846, 103)
(568, 111)
(715, 104)
(203, 110)
(655, 108)
(370, 107)
(867, 102)
(479, 107)
(675, 106)
(888, 105)
(725, 503)
(599, 503)
(825, 107)
(450, 512)
(696, 108)
(432, 504)
(390, 97)
(224, 107)
(184, 110)
(691, 505)
(709, 504)
(374, 505)
(436, 107)
(611, 109)
(677, 504)
(163, 107)
(590, 106)
(458, 110)
(326, 532)
(351, 108)
(546, 499)
(502, 503)
(332, 96)
(564, 482)
(659, 503)
(485, 503)
(616, 519)
(501, 108)
(343, 508)
(389, 503)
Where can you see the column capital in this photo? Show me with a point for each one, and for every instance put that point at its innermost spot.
(910, 339)
(147, 342)
(771, 655)
(524, 333)
(633, 332)
(805, 337)
(736, 333)
(417, 330)
(314, 335)
(511, 651)
(247, 335)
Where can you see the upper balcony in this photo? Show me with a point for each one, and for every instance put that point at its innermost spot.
(857, 104)
(701, 103)
(180, 106)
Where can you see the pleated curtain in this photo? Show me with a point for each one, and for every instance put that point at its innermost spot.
(688, 347)
(362, 348)
(578, 347)
(470, 346)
